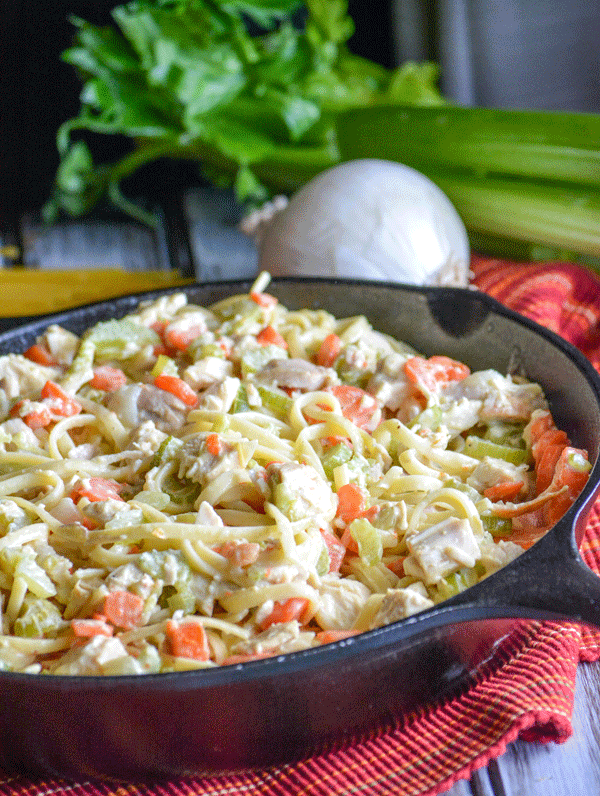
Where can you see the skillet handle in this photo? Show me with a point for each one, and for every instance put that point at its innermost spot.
(549, 581)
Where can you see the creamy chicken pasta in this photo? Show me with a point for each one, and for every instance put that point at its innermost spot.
(191, 487)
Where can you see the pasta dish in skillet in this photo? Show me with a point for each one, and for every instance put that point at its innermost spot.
(190, 487)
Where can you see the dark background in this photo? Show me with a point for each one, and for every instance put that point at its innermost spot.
(38, 91)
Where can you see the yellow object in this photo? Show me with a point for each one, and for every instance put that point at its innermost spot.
(29, 292)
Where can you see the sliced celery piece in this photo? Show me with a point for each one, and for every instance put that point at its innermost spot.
(480, 448)
(275, 400)
(254, 359)
(334, 457)
(497, 526)
(240, 402)
(115, 339)
(368, 539)
(38, 617)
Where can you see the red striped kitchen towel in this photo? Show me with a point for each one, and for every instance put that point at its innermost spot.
(527, 692)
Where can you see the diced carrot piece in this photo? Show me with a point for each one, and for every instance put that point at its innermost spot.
(213, 444)
(225, 346)
(86, 628)
(60, 402)
(187, 640)
(329, 350)
(241, 554)
(123, 609)
(351, 503)
(542, 422)
(107, 378)
(546, 465)
(270, 336)
(285, 611)
(551, 436)
(97, 488)
(357, 405)
(565, 475)
(264, 300)
(397, 566)
(507, 490)
(39, 417)
(436, 370)
(329, 636)
(41, 355)
(181, 338)
(330, 442)
(335, 549)
(159, 327)
(349, 542)
(177, 387)
(161, 350)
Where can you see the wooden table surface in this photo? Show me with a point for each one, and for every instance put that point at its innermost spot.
(199, 236)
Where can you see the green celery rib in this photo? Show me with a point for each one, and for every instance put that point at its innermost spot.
(558, 146)
(548, 215)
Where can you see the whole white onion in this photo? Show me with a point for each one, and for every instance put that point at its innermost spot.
(371, 219)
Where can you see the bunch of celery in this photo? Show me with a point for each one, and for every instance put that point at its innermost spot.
(185, 79)
(267, 110)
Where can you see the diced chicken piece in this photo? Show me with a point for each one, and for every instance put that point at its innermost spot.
(340, 602)
(103, 511)
(22, 378)
(84, 452)
(162, 309)
(197, 464)
(300, 491)
(495, 555)
(239, 553)
(146, 438)
(134, 404)
(356, 360)
(12, 516)
(296, 374)
(207, 371)
(219, 396)
(95, 658)
(389, 384)
(278, 639)
(128, 577)
(461, 415)
(285, 573)
(441, 549)
(502, 398)
(400, 603)
(490, 472)
(66, 511)
(377, 341)
(190, 323)
(207, 591)
(61, 343)
(206, 515)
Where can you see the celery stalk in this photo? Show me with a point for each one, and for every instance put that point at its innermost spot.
(559, 216)
(549, 145)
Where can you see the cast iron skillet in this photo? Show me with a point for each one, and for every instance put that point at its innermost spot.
(272, 710)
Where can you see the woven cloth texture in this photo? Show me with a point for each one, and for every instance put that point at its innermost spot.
(528, 689)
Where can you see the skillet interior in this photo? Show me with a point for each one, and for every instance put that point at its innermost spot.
(267, 711)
